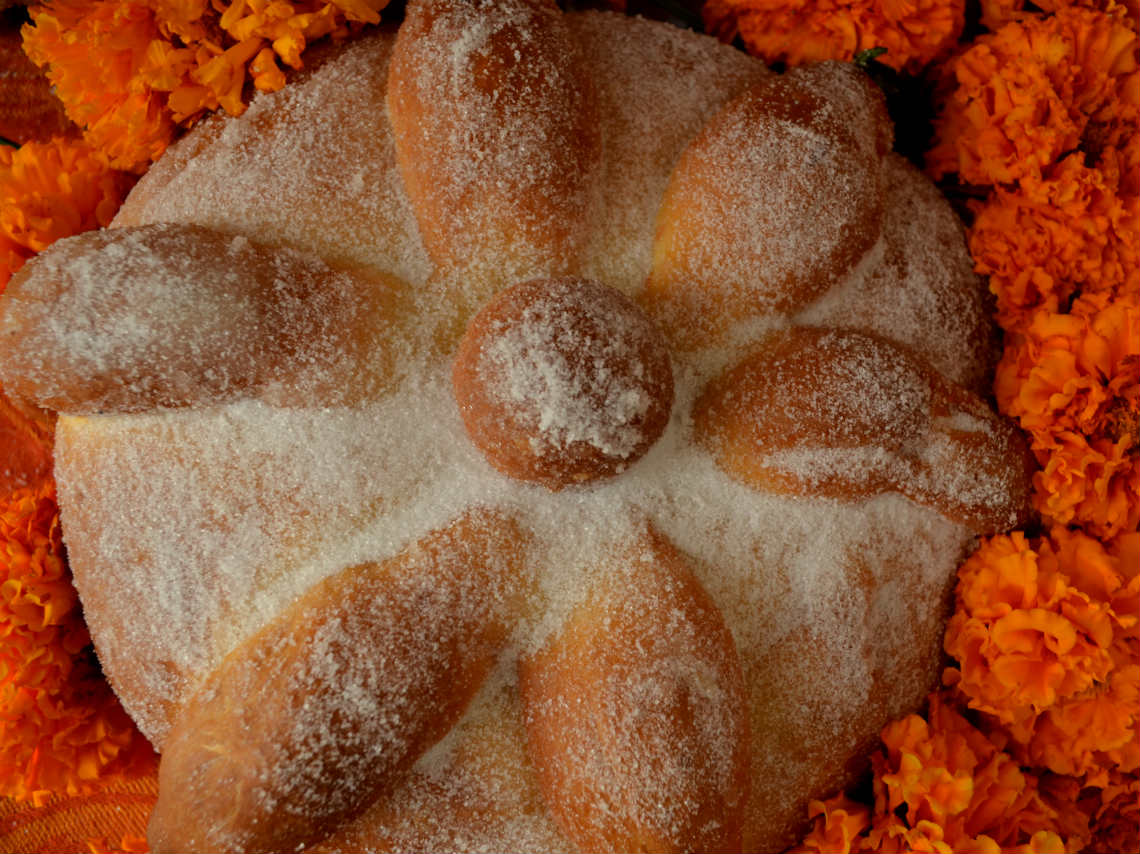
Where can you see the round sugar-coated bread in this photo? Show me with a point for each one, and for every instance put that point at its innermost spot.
(526, 431)
(563, 381)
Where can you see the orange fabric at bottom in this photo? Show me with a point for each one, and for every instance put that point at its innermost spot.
(110, 819)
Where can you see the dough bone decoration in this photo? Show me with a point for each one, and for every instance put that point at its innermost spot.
(542, 511)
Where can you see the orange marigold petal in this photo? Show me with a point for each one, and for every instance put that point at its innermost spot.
(55, 189)
(267, 74)
(798, 31)
(1094, 484)
(1000, 576)
(1025, 95)
(1048, 237)
(837, 824)
(108, 98)
(61, 727)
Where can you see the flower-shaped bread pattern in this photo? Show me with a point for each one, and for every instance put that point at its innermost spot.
(527, 431)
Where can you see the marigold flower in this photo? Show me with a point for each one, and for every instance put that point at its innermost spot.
(1026, 635)
(50, 190)
(129, 71)
(1077, 372)
(61, 728)
(1092, 483)
(1027, 94)
(931, 776)
(798, 31)
(92, 52)
(1075, 607)
(960, 792)
(1046, 238)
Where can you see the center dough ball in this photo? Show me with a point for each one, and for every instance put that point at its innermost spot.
(562, 381)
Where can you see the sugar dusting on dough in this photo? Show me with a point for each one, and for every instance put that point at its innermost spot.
(235, 511)
(656, 86)
(917, 282)
(256, 175)
(537, 362)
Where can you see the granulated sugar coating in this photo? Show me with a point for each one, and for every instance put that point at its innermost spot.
(562, 381)
(349, 630)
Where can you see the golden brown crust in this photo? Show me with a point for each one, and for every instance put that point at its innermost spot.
(919, 280)
(792, 753)
(636, 717)
(894, 423)
(189, 529)
(135, 319)
(562, 381)
(496, 136)
(266, 756)
(775, 201)
(482, 796)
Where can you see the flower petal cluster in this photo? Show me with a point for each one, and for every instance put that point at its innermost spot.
(1073, 382)
(50, 190)
(797, 31)
(129, 72)
(944, 785)
(90, 51)
(1073, 372)
(1072, 229)
(1090, 482)
(61, 727)
(1045, 636)
(1021, 98)
(996, 13)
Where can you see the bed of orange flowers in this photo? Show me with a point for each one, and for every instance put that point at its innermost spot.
(164, 63)
(795, 31)
(60, 724)
(50, 190)
(1033, 743)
